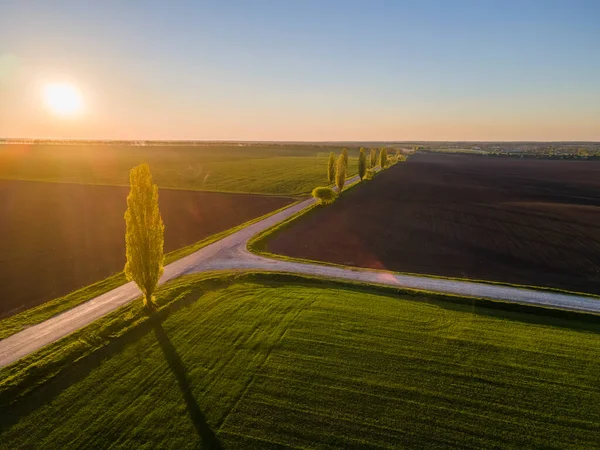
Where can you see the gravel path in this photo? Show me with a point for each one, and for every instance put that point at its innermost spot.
(231, 253)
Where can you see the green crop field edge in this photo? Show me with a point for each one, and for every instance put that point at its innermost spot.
(169, 188)
(258, 245)
(110, 333)
(38, 314)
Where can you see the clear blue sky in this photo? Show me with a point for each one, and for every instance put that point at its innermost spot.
(304, 70)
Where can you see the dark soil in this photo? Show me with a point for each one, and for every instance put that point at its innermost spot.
(519, 221)
(55, 238)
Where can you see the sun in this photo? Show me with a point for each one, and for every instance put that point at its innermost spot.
(62, 99)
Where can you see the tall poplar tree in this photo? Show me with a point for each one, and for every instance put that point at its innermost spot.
(362, 164)
(340, 173)
(144, 234)
(373, 158)
(345, 155)
(383, 158)
(331, 168)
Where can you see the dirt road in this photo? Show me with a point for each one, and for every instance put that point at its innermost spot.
(230, 253)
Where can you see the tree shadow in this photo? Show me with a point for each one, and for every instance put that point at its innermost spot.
(208, 437)
(48, 384)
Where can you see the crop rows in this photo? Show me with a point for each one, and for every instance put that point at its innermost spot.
(274, 363)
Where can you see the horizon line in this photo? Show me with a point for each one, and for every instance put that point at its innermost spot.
(243, 141)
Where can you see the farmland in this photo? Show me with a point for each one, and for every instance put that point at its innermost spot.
(271, 361)
(532, 222)
(265, 169)
(55, 238)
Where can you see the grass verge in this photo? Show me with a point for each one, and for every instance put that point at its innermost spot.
(38, 314)
(260, 360)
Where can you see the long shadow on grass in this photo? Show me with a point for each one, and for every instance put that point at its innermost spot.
(23, 399)
(14, 405)
(209, 439)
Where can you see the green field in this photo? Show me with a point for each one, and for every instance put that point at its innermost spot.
(268, 169)
(271, 360)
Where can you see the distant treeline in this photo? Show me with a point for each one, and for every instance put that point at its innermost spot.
(549, 150)
(203, 144)
(537, 151)
(592, 156)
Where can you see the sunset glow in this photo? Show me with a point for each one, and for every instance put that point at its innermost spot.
(299, 71)
(62, 99)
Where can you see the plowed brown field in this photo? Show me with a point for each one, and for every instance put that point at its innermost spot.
(534, 222)
(55, 238)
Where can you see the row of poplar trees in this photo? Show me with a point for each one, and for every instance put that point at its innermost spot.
(337, 168)
(144, 235)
